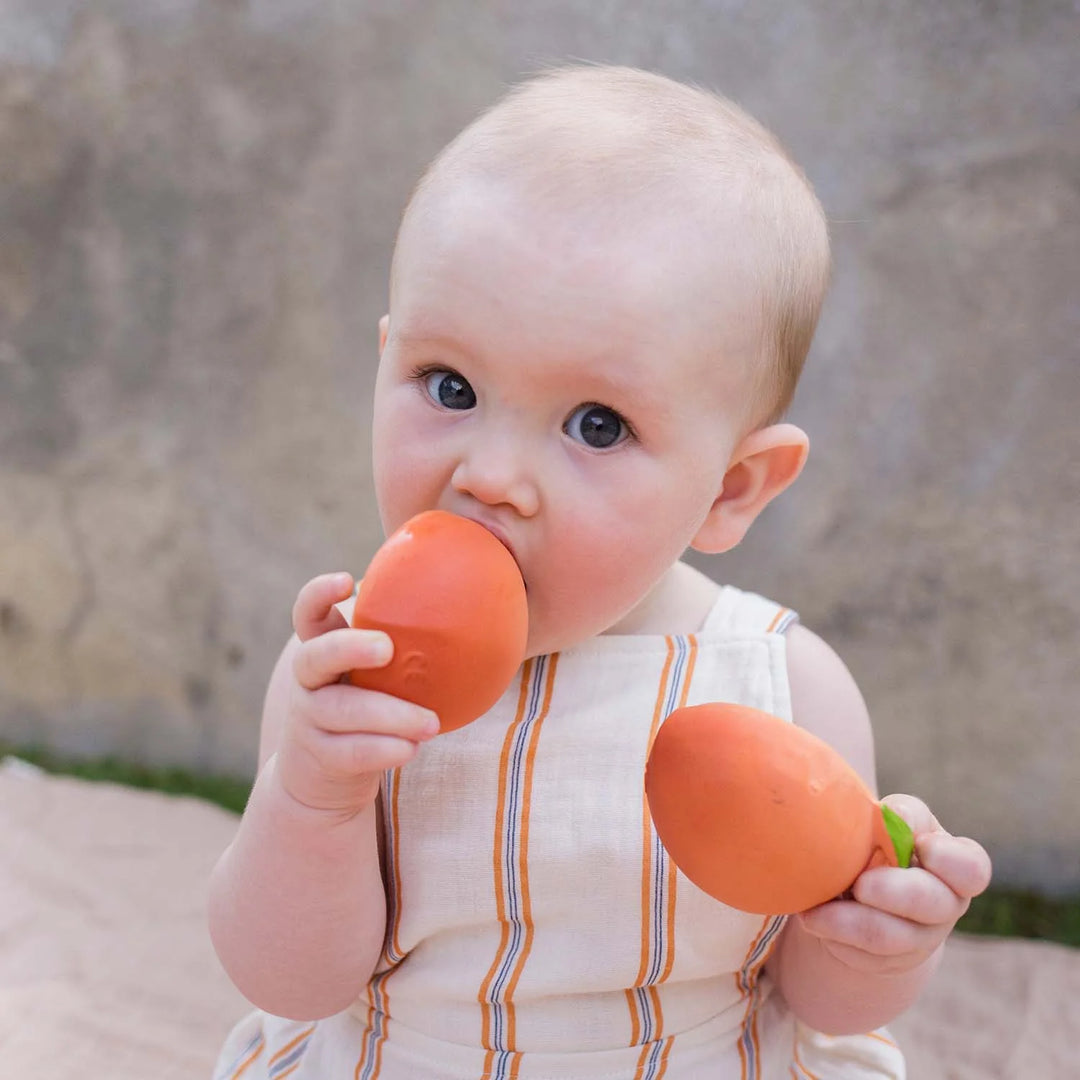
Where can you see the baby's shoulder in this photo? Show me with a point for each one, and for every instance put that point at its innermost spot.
(826, 700)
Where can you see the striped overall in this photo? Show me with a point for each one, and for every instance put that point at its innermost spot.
(536, 927)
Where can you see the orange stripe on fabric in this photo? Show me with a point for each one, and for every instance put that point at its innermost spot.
(776, 619)
(806, 1073)
(646, 859)
(500, 834)
(647, 1052)
(288, 1046)
(749, 1022)
(375, 988)
(747, 993)
(882, 1038)
(668, 1043)
(642, 1061)
(754, 1038)
(744, 968)
(673, 873)
(523, 858)
(289, 1071)
(672, 881)
(361, 1060)
(395, 832)
(246, 1064)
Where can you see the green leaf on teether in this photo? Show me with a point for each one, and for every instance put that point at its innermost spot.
(901, 835)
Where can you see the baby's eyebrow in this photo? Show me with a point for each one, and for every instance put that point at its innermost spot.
(436, 348)
(618, 380)
(412, 339)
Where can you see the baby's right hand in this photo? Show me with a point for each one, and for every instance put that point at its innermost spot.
(337, 738)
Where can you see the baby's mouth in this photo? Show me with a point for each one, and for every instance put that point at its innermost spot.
(506, 544)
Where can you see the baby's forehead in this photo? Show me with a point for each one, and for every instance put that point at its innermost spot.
(624, 247)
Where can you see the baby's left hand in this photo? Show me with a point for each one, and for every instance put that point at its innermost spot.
(898, 918)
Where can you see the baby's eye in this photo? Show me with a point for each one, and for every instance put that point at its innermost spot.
(449, 389)
(596, 426)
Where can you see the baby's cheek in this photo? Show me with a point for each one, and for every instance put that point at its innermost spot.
(595, 588)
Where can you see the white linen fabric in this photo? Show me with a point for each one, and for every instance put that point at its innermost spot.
(537, 928)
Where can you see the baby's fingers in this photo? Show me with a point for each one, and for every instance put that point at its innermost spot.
(914, 811)
(342, 709)
(958, 861)
(359, 754)
(324, 659)
(314, 612)
(868, 939)
(913, 894)
(961, 863)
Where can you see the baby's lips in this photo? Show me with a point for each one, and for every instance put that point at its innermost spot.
(504, 540)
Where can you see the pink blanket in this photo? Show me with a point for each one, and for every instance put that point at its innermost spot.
(106, 970)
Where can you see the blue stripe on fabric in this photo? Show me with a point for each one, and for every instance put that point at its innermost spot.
(377, 1030)
(752, 988)
(675, 679)
(502, 1064)
(759, 951)
(659, 864)
(254, 1041)
(747, 1039)
(674, 687)
(297, 1053)
(645, 1011)
(653, 1063)
(510, 861)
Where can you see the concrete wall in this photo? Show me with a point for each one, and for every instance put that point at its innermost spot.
(197, 202)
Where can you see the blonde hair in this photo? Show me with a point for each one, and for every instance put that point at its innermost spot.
(588, 134)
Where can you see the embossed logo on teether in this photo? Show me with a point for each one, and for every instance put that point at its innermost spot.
(414, 666)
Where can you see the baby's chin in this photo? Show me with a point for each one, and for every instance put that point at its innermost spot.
(549, 635)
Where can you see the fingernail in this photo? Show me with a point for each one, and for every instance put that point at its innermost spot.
(431, 725)
(382, 648)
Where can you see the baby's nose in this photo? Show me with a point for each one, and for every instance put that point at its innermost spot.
(497, 476)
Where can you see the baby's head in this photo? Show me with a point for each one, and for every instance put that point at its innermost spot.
(630, 152)
(601, 298)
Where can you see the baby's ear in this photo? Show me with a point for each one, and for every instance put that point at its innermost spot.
(764, 464)
(384, 327)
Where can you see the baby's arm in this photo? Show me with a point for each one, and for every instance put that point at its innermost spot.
(851, 965)
(297, 904)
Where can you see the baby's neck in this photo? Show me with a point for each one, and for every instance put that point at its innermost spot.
(679, 603)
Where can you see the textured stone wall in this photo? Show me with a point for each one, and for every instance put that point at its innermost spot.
(197, 202)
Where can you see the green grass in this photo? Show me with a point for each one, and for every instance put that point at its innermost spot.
(1000, 912)
(231, 792)
(1016, 913)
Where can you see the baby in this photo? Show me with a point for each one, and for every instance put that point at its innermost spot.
(601, 298)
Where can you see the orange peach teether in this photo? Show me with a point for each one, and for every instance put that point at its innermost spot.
(452, 599)
(762, 815)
